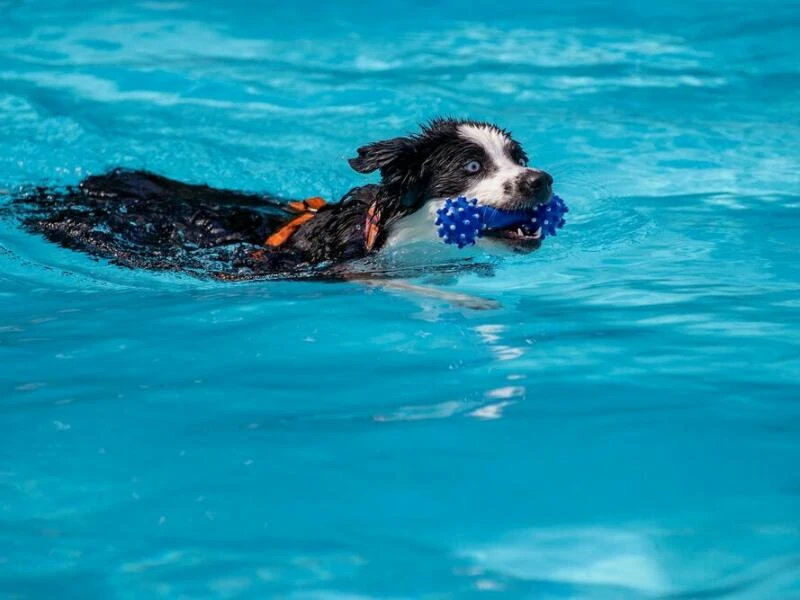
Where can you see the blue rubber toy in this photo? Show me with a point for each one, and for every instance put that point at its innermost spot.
(463, 221)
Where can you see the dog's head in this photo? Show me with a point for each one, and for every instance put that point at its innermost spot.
(451, 158)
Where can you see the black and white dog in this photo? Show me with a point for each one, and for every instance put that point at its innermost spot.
(143, 220)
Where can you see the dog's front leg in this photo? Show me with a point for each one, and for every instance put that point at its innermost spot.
(456, 298)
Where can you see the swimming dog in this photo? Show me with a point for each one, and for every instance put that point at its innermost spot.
(143, 220)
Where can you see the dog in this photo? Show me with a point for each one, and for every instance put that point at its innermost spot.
(139, 219)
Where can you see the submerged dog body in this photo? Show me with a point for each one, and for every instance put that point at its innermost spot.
(143, 220)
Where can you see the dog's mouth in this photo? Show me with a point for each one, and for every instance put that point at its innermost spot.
(517, 237)
(518, 233)
(506, 225)
(524, 236)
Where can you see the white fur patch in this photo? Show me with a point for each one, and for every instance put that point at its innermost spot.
(419, 226)
(490, 190)
(491, 140)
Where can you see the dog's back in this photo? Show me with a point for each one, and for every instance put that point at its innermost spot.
(139, 219)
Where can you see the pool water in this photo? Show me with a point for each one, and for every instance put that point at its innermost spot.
(626, 424)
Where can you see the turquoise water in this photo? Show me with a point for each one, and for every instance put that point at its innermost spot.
(625, 425)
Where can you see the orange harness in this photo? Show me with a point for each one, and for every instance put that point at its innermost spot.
(307, 210)
(371, 227)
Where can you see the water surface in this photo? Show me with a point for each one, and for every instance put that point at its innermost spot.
(625, 425)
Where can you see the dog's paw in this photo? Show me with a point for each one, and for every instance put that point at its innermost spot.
(476, 302)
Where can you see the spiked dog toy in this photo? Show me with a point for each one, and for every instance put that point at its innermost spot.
(462, 222)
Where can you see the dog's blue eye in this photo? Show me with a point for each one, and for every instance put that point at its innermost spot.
(522, 162)
(473, 166)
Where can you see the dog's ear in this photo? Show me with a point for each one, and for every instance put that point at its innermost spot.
(401, 163)
(396, 154)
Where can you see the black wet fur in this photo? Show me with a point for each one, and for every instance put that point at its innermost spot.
(139, 219)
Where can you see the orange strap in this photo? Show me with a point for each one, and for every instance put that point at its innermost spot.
(372, 226)
(307, 209)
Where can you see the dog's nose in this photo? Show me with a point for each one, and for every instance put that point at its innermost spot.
(537, 185)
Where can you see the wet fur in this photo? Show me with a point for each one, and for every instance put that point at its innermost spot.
(140, 219)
